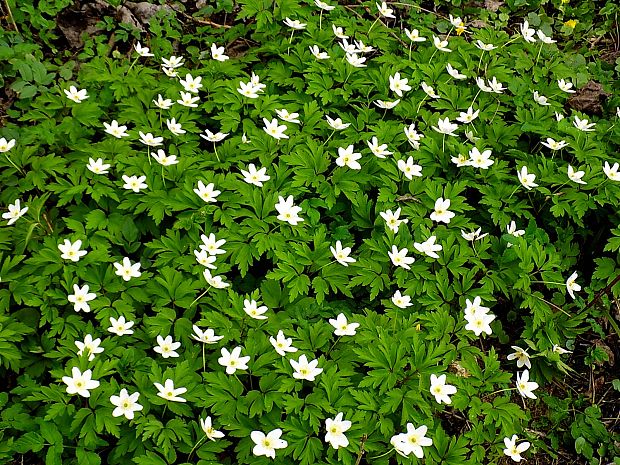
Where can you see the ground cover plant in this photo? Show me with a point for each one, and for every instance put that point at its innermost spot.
(316, 233)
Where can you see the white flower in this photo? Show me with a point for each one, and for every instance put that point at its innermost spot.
(392, 220)
(496, 86)
(441, 214)
(428, 247)
(512, 450)
(428, 90)
(143, 52)
(559, 350)
(541, 99)
(337, 123)
(444, 126)
(255, 80)
(267, 444)
(126, 270)
(126, 404)
(336, 428)
(5, 145)
(284, 115)
(471, 307)
(115, 130)
(206, 337)
(409, 168)
(120, 327)
(288, 211)
(385, 104)
(458, 23)
(385, 11)
(559, 116)
(244, 139)
(342, 327)
(400, 258)
(188, 100)
(612, 171)
(379, 151)
(566, 86)
(163, 103)
(212, 245)
(166, 347)
(524, 386)
(134, 183)
(478, 321)
(454, 72)
(527, 180)
(80, 383)
(484, 47)
(174, 127)
(168, 391)
(253, 310)
(15, 212)
(414, 35)
(323, 6)
(583, 124)
(527, 32)
(172, 62)
(90, 345)
(314, 49)
(71, 251)
(482, 85)
(282, 344)
(545, 39)
(170, 72)
(217, 53)
(522, 357)
(214, 137)
(81, 297)
(347, 157)
(294, 23)
(399, 85)
(342, 254)
(149, 139)
(207, 193)
(441, 45)
(248, 89)
(214, 281)
(474, 235)
(413, 136)
(470, 136)
(468, 116)
(210, 432)
(348, 47)
(401, 301)
(274, 129)
(254, 176)
(441, 390)
(571, 285)
(233, 360)
(412, 441)
(355, 60)
(512, 230)
(76, 95)
(339, 32)
(575, 176)
(553, 145)
(363, 48)
(191, 84)
(304, 369)
(479, 159)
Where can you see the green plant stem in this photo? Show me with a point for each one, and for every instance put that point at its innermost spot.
(200, 296)
(132, 64)
(372, 25)
(14, 165)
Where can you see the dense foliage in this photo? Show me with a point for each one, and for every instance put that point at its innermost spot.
(327, 234)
